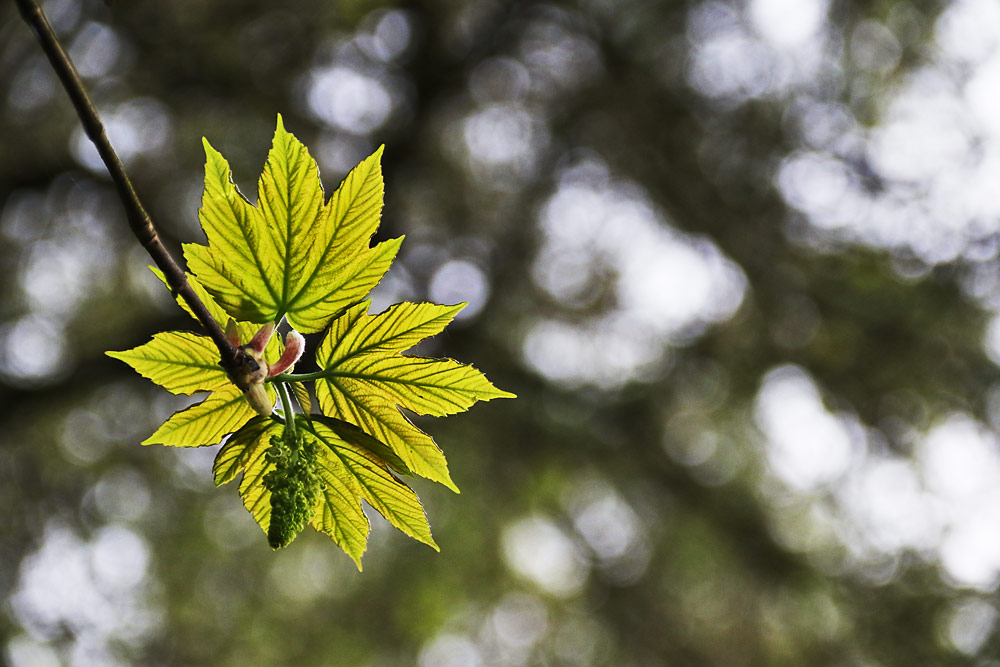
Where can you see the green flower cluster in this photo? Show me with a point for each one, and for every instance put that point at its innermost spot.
(294, 484)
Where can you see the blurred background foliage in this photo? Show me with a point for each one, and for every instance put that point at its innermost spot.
(738, 260)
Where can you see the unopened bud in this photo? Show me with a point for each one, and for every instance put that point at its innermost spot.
(295, 344)
(232, 332)
(261, 339)
(250, 375)
(257, 397)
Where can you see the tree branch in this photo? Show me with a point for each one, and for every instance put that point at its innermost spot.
(138, 218)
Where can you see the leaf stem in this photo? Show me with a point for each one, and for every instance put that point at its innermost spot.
(286, 407)
(316, 375)
(138, 218)
(301, 377)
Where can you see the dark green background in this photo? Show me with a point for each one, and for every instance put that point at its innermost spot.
(115, 554)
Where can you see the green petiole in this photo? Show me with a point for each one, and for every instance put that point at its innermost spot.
(286, 407)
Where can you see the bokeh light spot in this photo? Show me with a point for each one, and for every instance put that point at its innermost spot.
(458, 281)
(536, 549)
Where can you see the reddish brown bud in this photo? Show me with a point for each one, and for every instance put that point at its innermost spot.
(261, 339)
(252, 373)
(295, 344)
(232, 332)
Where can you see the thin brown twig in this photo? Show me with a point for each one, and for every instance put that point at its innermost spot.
(138, 218)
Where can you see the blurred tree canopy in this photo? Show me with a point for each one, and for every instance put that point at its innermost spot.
(737, 259)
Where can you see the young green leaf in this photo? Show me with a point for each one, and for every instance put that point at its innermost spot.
(365, 379)
(352, 473)
(302, 396)
(291, 255)
(354, 435)
(295, 257)
(206, 423)
(349, 473)
(238, 450)
(246, 451)
(185, 363)
(180, 362)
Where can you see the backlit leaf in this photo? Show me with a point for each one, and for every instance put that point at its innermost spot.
(233, 456)
(256, 497)
(356, 436)
(365, 380)
(295, 257)
(246, 452)
(206, 423)
(180, 362)
(356, 470)
(291, 255)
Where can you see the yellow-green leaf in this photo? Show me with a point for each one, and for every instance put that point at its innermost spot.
(435, 387)
(291, 255)
(302, 396)
(290, 204)
(399, 328)
(365, 379)
(233, 456)
(348, 463)
(356, 436)
(386, 423)
(339, 513)
(246, 452)
(180, 362)
(206, 423)
(256, 497)
(232, 266)
(332, 291)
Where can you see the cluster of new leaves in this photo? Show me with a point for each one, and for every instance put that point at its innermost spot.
(296, 258)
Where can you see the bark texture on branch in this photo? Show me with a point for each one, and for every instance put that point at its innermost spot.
(232, 358)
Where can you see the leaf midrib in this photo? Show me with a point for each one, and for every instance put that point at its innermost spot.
(395, 380)
(381, 342)
(329, 246)
(251, 210)
(372, 491)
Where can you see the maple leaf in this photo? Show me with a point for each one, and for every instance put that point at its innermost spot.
(364, 379)
(351, 469)
(188, 363)
(295, 258)
(291, 255)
